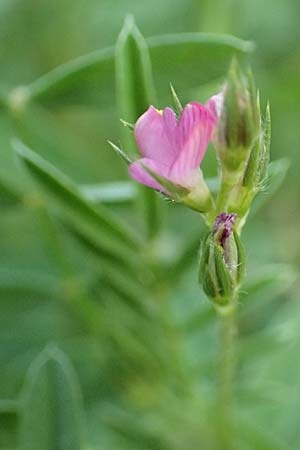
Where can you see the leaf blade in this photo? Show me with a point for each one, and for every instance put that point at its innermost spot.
(52, 416)
(135, 93)
(67, 193)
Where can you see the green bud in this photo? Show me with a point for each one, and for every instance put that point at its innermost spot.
(239, 123)
(255, 173)
(222, 261)
(242, 142)
(257, 166)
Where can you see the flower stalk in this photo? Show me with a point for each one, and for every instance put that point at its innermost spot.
(225, 370)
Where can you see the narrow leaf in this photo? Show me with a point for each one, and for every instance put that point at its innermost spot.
(70, 198)
(118, 192)
(135, 88)
(177, 103)
(9, 406)
(135, 92)
(188, 59)
(127, 124)
(120, 153)
(276, 175)
(51, 414)
(8, 196)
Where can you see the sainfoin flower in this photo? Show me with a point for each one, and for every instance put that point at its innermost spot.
(172, 151)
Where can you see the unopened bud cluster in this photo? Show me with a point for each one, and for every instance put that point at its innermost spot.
(242, 141)
(222, 261)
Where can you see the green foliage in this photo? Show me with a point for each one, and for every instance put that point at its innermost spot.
(51, 416)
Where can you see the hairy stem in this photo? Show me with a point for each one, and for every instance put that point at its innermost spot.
(225, 397)
(229, 181)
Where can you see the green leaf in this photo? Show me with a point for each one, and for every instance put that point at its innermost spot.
(118, 192)
(70, 198)
(52, 416)
(276, 175)
(110, 253)
(134, 82)
(240, 257)
(186, 59)
(258, 438)
(125, 275)
(213, 184)
(28, 281)
(135, 92)
(9, 406)
(176, 101)
(8, 197)
(262, 295)
(128, 125)
(120, 153)
(276, 277)
(186, 258)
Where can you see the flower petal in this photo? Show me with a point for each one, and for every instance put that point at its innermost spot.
(215, 103)
(156, 135)
(137, 171)
(194, 133)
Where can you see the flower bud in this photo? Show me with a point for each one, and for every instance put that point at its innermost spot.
(221, 261)
(257, 165)
(239, 121)
(255, 172)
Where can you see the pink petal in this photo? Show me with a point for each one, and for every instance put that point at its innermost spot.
(137, 172)
(215, 103)
(195, 130)
(156, 135)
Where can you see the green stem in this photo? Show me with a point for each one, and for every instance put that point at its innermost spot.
(229, 181)
(225, 398)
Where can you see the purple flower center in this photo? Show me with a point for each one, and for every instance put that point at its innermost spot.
(222, 227)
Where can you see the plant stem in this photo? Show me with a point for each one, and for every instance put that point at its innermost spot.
(229, 181)
(225, 400)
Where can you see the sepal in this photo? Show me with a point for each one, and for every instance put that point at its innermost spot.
(222, 261)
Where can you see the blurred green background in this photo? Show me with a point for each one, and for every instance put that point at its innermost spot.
(146, 373)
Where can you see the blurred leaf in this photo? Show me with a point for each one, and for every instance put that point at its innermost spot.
(262, 295)
(134, 82)
(9, 406)
(121, 262)
(188, 256)
(277, 277)
(70, 197)
(135, 92)
(8, 197)
(119, 192)
(213, 184)
(276, 175)
(199, 320)
(52, 416)
(176, 101)
(257, 437)
(22, 280)
(88, 79)
(136, 434)
(123, 191)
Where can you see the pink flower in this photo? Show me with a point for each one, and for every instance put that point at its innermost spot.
(215, 104)
(172, 149)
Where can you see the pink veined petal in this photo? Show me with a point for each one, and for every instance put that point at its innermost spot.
(195, 130)
(137, 172)
(215, 103)
(156, 135)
